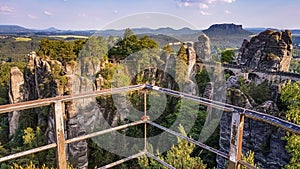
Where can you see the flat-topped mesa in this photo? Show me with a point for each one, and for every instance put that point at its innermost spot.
(268, 51)
(226, 26)
(226, 30)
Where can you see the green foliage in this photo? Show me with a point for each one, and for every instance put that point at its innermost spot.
(29, 136)
(295, 66)
(227, 56)
(249, 158)
(146, 57)
(5, 79)
(202, 78)
(260, 93)
(16, 51)
(31, 165)
(63, 51)
(181, 67)
(178, 156)
(127, 33)
(95, 48)
(290, 94)
(168, 49)
(130, 45)
(182, 54)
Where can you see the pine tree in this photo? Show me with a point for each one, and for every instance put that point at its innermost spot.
(178, 156)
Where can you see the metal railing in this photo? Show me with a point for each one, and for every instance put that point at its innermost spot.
(237, 124)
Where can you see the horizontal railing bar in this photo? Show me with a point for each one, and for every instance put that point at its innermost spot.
(160, 161)
(79, 138)
(294, 128)
(201, 100)
(47, 101)
(227, 107)
(25, 105)
(202, 145)
(247, 164)
(103, 92)
(27, 152)
(123, 160)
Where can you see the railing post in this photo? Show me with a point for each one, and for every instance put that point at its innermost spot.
(145, 125)
(236, 139)
(60, 135)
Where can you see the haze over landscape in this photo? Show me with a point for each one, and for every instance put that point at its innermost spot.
(89, 14)
(112, 83)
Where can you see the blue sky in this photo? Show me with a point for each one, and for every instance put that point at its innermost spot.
(99, 14)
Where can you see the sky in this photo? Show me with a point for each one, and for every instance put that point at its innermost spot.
(117, 14)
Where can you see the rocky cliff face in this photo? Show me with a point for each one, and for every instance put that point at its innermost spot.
(44, 79)
(268, 51)
(202, 48)
(265, 140)
(16, 94)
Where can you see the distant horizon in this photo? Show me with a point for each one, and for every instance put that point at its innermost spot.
(200, 14)
(54, 27)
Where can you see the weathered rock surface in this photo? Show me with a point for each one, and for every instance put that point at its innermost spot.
(16, 94)
(202, 48)
(232, 82)
(38, 82)
(264, 139)
(268, 51)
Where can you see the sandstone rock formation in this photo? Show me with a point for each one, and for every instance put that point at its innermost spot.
(268, 51)
(265, 140)
(16, 94)
(232, 82)
(43, 78)
(202, 48)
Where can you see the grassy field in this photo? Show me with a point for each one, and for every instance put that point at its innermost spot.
(22, 39)
(69, 36)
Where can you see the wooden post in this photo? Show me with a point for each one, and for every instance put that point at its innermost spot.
(60, 135)
(236, 140)
(240, 139)
(145, 124)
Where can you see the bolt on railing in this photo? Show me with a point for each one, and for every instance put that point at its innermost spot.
(236, 138)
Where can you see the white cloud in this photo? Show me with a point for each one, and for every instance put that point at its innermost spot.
(32, 16)
(227, 12)
(228, 1)
(184, 4)
(48, 13)
(203, 6)
(204, 13)
(216, 1)
(4, 9)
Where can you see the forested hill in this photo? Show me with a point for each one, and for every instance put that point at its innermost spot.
(13, 29)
